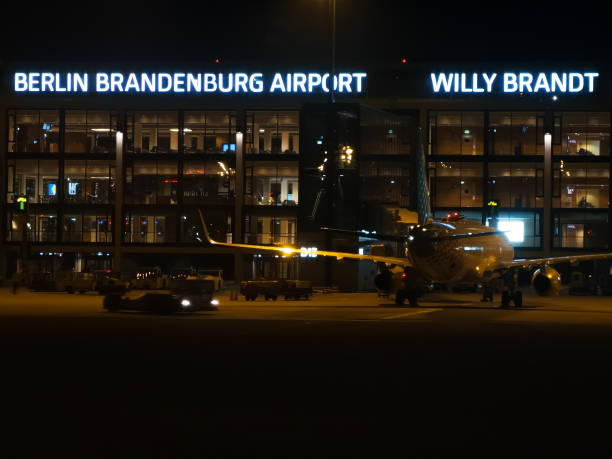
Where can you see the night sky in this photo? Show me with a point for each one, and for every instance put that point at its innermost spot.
(370, 34)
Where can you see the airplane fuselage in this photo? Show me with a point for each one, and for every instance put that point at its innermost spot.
(463, 260)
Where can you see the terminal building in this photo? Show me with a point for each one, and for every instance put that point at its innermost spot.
(269, 159)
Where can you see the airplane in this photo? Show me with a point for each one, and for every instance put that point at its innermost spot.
(451, 250)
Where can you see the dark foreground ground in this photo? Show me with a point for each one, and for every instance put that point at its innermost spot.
(338, 377)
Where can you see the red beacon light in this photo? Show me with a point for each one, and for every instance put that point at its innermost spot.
(452, 217)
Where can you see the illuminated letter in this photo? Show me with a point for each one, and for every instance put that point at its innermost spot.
(464, 88)
(255, 82)
(359, 78)
(210, 82)
(510, 84)
(525, 80)
(116, 82)
(475, 87)
(344, 81)
(33, 81)
(132, 83)
(590, 76)
(230, 82)
(572, 86)
(456, 86)
(21, 82)
(58, 87)
(240, 82)
(324, 82)
(443, 80)
(164, 78)
(81, 82)
(299, 82)
(179, 82)
(101, 82)
(489, 80)
(46, 82)
(148, 81)
(194, 82)
(314, 79)
(559, 84)
(541, 83)
(277, 83)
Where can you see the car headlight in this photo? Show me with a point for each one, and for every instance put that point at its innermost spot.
(214, 302)
(185, 303)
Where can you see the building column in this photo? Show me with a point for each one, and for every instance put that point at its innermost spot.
(547, 193)
(3, 190)
(118, 218)
(239, 192)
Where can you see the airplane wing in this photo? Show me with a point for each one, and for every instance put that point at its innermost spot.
(289, 251)
(529, 262)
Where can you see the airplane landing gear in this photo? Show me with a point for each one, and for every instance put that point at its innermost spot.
(411, 295)
(516, 297)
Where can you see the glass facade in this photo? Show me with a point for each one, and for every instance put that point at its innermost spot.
(152, 132)
(580, 230)
(34, 131)
(63, 162)
(581, 133)
(90, 131)
(270, 230)
(151, 182)
(581, 185)
(516, 133)
(456, 133)
(210, 182)
(89, 181)
(457, 184)
(271, 184)
(516, 185)
(385, 183)
(209, 132)
(37, 180)
(271, 132)
(89, 227)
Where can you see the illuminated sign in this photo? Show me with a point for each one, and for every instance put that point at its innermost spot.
(73, 188)
(52, 189)
(510, 82)
(308, 252)
(197, 83)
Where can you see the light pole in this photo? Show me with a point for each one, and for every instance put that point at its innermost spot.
(332, 7)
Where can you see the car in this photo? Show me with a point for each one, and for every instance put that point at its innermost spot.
(184, 296)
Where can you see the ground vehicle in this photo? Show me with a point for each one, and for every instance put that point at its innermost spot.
(214, 274)
(295, 289)
(184, 296)
(71, 281)
(252, 289)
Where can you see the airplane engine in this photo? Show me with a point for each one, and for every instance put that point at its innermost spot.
(383, 281)
(388, 280)
(546, 281)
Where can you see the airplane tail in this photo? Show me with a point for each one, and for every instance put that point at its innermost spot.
(423, 204)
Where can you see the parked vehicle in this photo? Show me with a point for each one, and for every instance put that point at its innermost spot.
(214, 274)
(252, 289)
(271, 290)
(71, 282)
